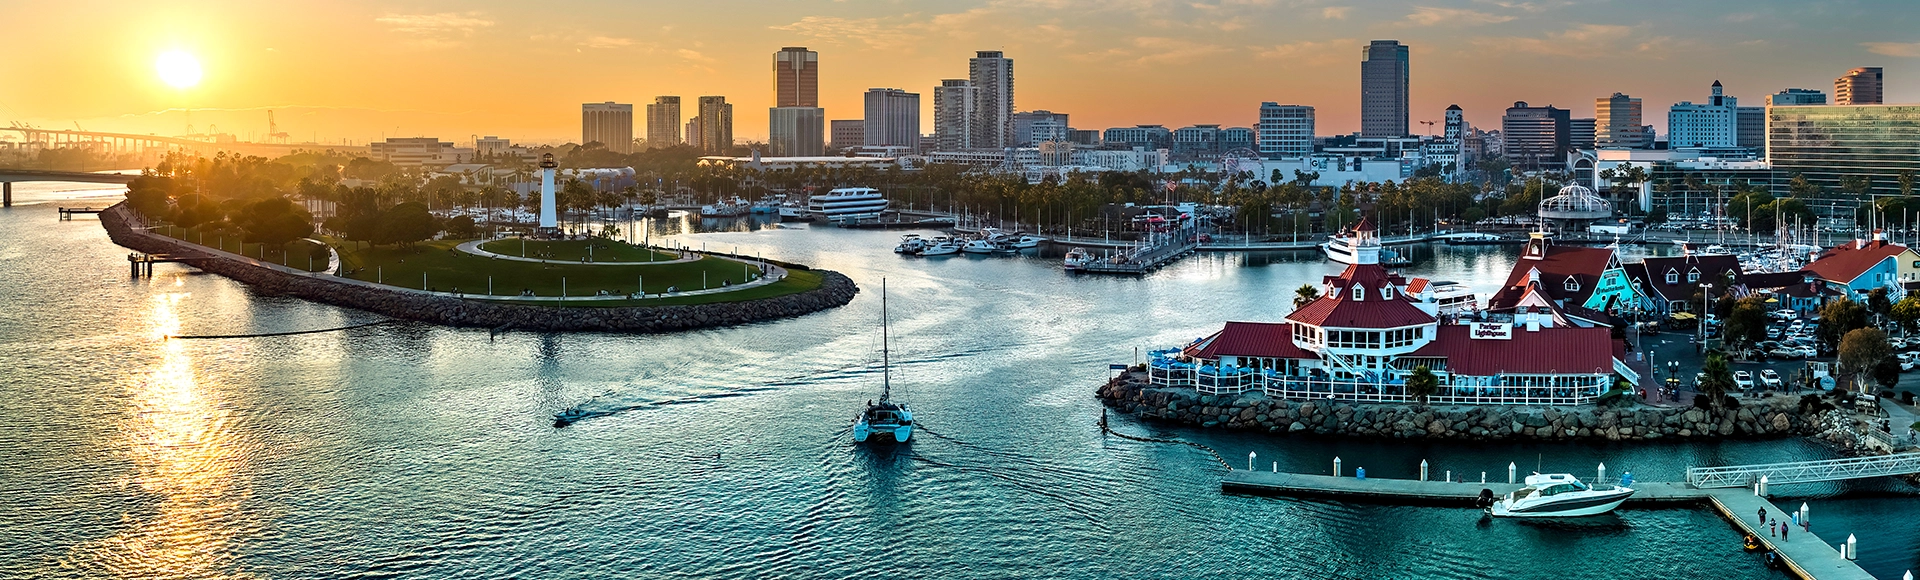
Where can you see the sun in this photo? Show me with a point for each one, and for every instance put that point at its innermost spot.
(179, 69)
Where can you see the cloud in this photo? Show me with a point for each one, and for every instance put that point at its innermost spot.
(1335, 12)
(1525, 6)
(606, 42)
(1309, 52)
(694, 55)
(1144, 50)
(1429, 16)
(1899, 49)
(1740, 17)
(1582, 41)
(874, 32)
(440, 30)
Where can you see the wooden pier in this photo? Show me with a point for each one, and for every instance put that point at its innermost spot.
(1803, 553)
(67, 213)
(1146, 261)
(142, 264)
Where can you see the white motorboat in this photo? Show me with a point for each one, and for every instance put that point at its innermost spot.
(726, 208)
(1556, 495)
(941, 247)
(1075, 259)
(848, 203)
(1475, 239)
(1454, 298)
(770, 204)
(1026, 241)
(910, 244)
(793, 211)
(979, 246)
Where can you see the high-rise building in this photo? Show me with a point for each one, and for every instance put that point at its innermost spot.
(992, 76)
(1148, 137)
(1710, 124)
(715, 125)
(1384, 73)
(1285, 131)
(1618, 123)
(693, 132)
(1536, 137)
(796, 77)
(609, 124)
(893, 118)
(1750, 128)
(1580, 134)
(954, 105)
(848, 133)
(1053, 125)
(663, 122)
(796, 131)
(1860, 86)
(1456, 126)
(1833, 146)
(1790, 97)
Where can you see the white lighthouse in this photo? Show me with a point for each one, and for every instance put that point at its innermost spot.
(549, 223)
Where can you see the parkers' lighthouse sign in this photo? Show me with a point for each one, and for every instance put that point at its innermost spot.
(1491, 330)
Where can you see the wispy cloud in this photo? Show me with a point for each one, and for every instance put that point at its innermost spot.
(1432, 15)
(440, 30)
(1309, 52)
(1335, 12)
(1526, 6)
(1899, 49)
(606, 42)
(1582, 41)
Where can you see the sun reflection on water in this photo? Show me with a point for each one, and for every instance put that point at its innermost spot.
(184, 455)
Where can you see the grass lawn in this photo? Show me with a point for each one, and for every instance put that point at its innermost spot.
(574, 250)
(447, 269)
(297, 254)
(797, 281)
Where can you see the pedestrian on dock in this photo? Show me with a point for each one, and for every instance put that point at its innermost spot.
(1773, 528)
(1783, 533)
(1763, 515)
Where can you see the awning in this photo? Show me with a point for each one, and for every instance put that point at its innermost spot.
(1684, 316)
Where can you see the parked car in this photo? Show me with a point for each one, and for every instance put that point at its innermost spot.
(1908, 360)
(1743, 379)
(1773, 332)
(1787, 352)
(1769, 378)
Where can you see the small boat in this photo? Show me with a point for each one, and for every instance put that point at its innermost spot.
(884, 420)
(1752, 544)
(979, 246)
(1558, 495)
(770, 204)
(1075, 259)
(910, 244)
(941, 247)
(1026, 241)
(735, 207)
(569, 417)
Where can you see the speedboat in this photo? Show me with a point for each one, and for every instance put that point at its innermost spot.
(1558, 495)
(910, 244)
(1075, 259)
(1026, 241)
(941, 247)
(979, 246)
(884, 420)
(569, 417)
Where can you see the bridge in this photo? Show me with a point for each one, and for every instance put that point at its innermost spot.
(1804, 471)
(9, 176)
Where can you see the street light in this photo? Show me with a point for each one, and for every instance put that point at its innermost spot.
(1706, 295)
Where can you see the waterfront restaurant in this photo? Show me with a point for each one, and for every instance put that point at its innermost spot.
(1365, 336)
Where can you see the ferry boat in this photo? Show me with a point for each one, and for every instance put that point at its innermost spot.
(884, 420)
(735, 207)
(847, 203)
(1454, 299)
(1557, 495)
(1075, 259)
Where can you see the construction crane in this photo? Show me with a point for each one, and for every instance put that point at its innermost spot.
(1429, 125)
(274, 134)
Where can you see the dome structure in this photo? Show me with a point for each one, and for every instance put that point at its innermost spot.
(1575, 202)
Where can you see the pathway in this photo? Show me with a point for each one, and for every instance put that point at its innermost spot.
(473, 247)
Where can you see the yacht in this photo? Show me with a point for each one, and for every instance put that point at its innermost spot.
(884, 420)
(1075, 259)
(1557, 495)
(1026, 242)
(910, 244)
(979, 246)
(1339, 248)
(793, 211)
(770, 204)
(848, 203)
(941, 247)
(726, 208)
(1454, 298)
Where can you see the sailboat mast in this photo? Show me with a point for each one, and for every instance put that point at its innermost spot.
(886, 370)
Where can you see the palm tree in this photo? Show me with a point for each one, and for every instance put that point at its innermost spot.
(1422, 384)
(1304, 295)
(1718, 379)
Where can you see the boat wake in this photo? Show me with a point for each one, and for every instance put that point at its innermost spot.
(595, 407)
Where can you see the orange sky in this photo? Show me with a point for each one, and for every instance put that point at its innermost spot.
(361, 70)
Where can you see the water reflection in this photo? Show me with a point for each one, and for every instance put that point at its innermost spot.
(185, 456)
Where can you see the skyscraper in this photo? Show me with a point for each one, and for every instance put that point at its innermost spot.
(1709, 124)
(1791, 97)
(992, 76)
(609, 124)
(715, 125)
(1860, 86)
(663, 122)
(893, 118)
(954, 103)
(796, 131)
(1284, 131)
(1383, 89)
(1580, 133)
(1618, 123)
(847, 133)
(1536, 137)
(796, 77)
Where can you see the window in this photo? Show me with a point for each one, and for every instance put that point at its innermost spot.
(1359, 292)
(1673, 276)
(1386, 292)
(1693, 275)
(1571, 284)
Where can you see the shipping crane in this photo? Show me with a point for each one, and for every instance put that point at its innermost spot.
(274, 134)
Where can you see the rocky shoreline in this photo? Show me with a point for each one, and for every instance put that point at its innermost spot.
(1766, 417)
(835, 290)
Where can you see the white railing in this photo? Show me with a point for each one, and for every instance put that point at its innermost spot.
(1805, 471)
(1167, 372)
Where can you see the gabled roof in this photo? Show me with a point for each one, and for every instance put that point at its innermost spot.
(1252, 339)
(1584, 265)
(1417, 285)
(1844, 263)
(1562, 350)
(1712, 268)
(1338, 309)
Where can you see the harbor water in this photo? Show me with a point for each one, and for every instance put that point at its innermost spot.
(415, 451)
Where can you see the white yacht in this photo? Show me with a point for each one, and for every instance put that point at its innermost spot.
(1026, 241)
(848, 203)
(979, 246)
(1075, 259)
(1474, 239)
(910, 244)
(1557, 495)
(726, 208)
(1454, 299)
(941, 247)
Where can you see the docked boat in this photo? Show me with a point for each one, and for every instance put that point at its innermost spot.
(1027, 242)
(792, 211)
(735, 207)
(1558, 495)
(1454, 298)
(847, 203)
(979, 246)
(1476, 239)
(910, 244)
(884, 420)
(770, 204)
(941, 247)
(1075, 259)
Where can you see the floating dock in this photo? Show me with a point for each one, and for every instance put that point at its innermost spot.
(1808, 556)
(67, 213)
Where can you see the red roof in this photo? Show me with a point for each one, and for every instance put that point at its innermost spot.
(1557, 350)
(1255, 339)
(1338, 309)
(1584, 265)
(1843, 263)
(1713, 268)
(1416, 285)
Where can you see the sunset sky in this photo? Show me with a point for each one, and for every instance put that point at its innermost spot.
(360, 70)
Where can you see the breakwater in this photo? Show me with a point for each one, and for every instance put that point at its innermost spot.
(1253, 410)
(835, 290)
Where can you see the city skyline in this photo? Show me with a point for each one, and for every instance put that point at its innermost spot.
(1185, 60)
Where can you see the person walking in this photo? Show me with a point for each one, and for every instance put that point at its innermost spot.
(1773, 528)
(1763, 515)
(1783, 533)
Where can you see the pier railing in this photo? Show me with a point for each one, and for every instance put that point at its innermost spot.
(1214, 381)
(1805, 471)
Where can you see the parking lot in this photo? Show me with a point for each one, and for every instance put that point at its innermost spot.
(1678, 346)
